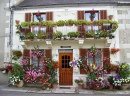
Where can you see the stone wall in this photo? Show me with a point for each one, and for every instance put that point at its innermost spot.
(124, 34)
(4, 37)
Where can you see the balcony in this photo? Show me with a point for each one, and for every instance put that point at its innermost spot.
(61, 31)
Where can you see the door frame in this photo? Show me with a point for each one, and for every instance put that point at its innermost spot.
(60, 65)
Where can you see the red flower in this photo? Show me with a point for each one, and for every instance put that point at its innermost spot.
(9, 67)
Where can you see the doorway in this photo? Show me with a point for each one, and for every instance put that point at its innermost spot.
(65, 71)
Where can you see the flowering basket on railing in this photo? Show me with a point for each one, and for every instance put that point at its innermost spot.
(114, 50)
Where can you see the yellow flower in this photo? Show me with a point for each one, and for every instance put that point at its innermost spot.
(94, 67)
(91, 64)
(123, 66)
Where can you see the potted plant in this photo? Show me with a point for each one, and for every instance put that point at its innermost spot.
(79, 22)
(89, 34)
(60, 23)
(110, 17)
(54, 82)
(24, 25)
(17, 75)
(57, 34)
(30, 35)
(110, 80)
(114, 50)
(17, 22)
(79, 82)
(70, 22)
(39, 36)
(16, 54)
(86, 22)
(49, 23)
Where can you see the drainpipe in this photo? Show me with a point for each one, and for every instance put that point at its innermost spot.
(11, 30)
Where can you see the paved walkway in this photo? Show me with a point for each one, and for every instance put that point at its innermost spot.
(58, 90)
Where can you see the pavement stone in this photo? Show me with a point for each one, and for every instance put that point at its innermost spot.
(58, 90)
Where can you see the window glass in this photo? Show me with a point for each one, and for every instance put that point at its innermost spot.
(98, 58)
(87, 16)
(38, 61)
(42, 29)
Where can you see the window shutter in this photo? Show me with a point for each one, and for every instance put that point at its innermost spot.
(83, 53)
(49, 30)
(106, 53)
(26, 53)
(48, 53)
(103, 14)
(27, 19)
(81, 29)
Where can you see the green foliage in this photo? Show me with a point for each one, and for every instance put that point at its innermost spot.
(24, 24)
(60, 23)
(110, 79)
(103, 33)
(92, 76)
(90, 33)
(18, 71)
(70, 22)
(39, 35)
(30, 35)
(124, 70)
(73, 34)
(57, 34)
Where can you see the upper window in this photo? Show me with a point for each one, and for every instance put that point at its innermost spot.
(92, 16)
(36, 29)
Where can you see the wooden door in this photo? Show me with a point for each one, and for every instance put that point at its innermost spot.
(65, 71)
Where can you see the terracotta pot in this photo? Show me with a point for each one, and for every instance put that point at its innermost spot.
(20, 83)
(54, 86)
(110, 17)
(80, 86)
(124, 86)
(111, 87)
(17, 22)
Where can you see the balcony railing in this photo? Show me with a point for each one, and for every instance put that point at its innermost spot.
(62, 30)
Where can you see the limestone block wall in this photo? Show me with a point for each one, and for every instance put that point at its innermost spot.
(124, 33)
(4, 37)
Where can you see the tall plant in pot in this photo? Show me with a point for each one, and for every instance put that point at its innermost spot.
(17, 75)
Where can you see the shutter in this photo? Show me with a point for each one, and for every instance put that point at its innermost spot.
(106, 53)
(103, 16)
(48, 53)
(27, 19)
(83, 53)
(26, 53)
(49, 30)
(81, 29)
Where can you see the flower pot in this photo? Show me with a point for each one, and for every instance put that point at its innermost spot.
(111, 87)
(54, 86)
(124, 86)
(110, 17)
(20, 83)
(80, 86)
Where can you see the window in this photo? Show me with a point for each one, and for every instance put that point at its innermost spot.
(40, 29)
(38, 61)
(95, 59)
(96, 17)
